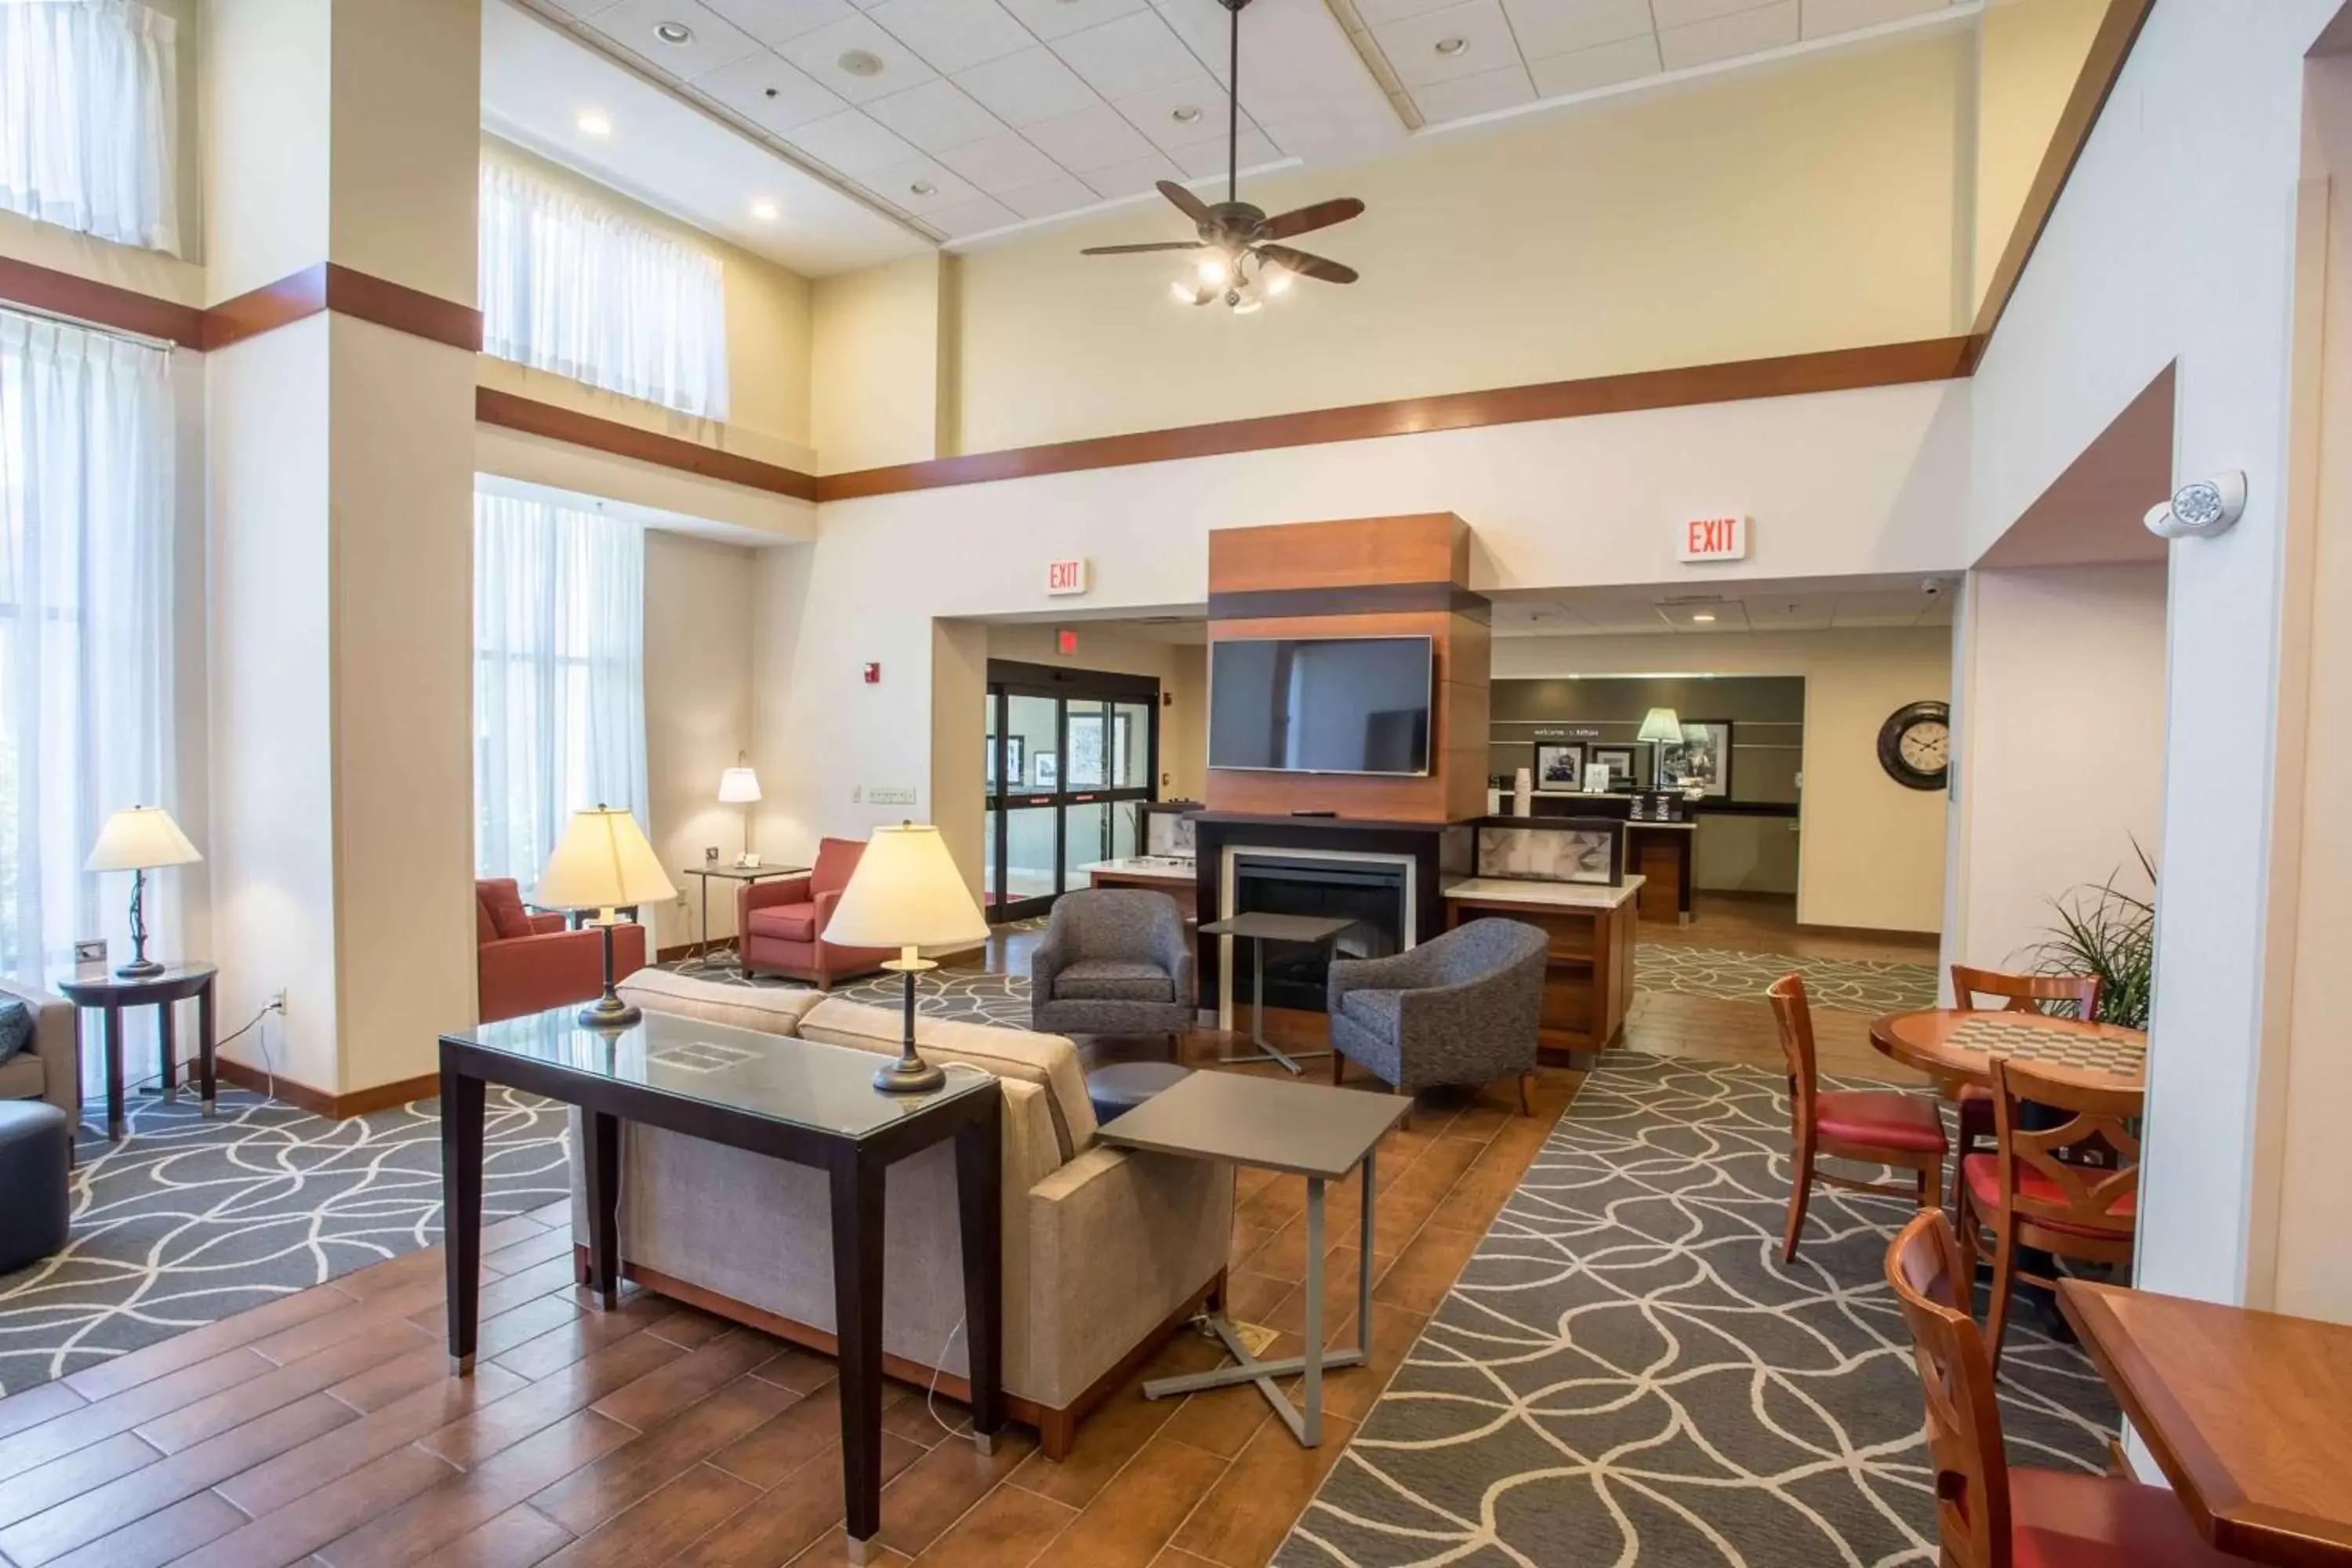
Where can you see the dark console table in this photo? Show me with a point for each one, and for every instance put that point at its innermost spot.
(789, 1098)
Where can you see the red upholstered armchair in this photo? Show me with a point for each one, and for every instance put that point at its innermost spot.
(781, 923)
(528, 963)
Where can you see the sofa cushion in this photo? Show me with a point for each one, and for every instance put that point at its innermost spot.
(24, 1077)
(1113, 980)
(769, 1009)
(1049, 1061)
(16, 1027)
(787, 922)
(500, 897)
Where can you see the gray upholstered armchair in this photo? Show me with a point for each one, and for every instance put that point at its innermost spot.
(1460, 1008)
(1115, 961)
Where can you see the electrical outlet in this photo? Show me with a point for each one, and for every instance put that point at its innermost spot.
(710, 854)
(278, 1001)
(890, 795)
(857, 793)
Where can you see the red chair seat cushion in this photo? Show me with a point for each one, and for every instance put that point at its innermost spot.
(1883, 1119)
(2061, 1518)
(1982, 1173)
(787, 922)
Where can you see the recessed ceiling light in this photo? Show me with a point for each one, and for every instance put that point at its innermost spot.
(764, 210)
(1185, 113)
(860, 62)
(1702, 618)
(673, 32)
(1452, 47)
(923, 188)
(592, 123)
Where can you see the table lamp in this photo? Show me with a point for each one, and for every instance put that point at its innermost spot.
(138, 840)
(908, 894)
(738, 786)
(603, 862)
(1661, 724)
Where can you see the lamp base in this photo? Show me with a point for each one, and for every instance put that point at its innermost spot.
(910, 1076)
(138, 969)
(611, 1014)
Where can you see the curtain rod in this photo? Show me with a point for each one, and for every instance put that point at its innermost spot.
(143, 338)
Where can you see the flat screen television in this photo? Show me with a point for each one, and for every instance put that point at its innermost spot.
(1320, 705)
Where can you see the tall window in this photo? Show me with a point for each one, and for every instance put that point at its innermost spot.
(559, 674)
(586, 293)
(85, 459)
(88, 119)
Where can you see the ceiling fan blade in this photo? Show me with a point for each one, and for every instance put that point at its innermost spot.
(1306, 265)
(1135, 249)
(1322, 214)
(1190, 206)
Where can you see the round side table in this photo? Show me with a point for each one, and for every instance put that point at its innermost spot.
(109, 994)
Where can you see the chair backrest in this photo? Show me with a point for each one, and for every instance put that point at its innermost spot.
(2024, 993)
(1793, 1012)
(836, 859)
(1489, 945)
(497, 909)
(1113, 922)
(1963, 1422)
(2101, 1110)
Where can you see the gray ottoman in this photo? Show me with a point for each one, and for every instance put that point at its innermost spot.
(1123, 1086)
(36, 1155)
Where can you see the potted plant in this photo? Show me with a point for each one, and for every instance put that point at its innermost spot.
(2104, 930)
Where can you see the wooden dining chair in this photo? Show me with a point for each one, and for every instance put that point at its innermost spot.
(1987, 1514)
(2028, 1194)
(2018, 994)
(1874, 1127)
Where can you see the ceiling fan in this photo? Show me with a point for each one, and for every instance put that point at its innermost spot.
(1247, 260)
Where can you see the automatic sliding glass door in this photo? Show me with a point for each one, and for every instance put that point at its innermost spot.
(1069, 751)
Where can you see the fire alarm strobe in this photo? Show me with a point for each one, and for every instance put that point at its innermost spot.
(873, 672)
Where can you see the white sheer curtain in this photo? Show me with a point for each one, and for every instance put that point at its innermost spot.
(587, 292)
(559, 674)
(88, 118)
(85, 487)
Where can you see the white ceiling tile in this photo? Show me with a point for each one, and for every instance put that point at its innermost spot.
(1203, 159)
(1413, 45)
(1127, 178)
(851, 143)
(1467, 95)
(1376, 62)
(1375, 12)
(1728, 37)
(1206, 30)
(1605, 66)
(972, 217)
(715, 41)
(1025, 88)
(1558, 26)
(1154, 113)
(820, 54)
(1000, 162)
(935, 116)
(1091, 139)
(919, 185)
(952, 34)
(1062, 193)
(1127, 55)
(1826, 18)
(773, 21)
(770, 92)
(1683, 13)
(1051, 19)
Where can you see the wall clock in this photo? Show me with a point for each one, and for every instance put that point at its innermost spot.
(1915, 745)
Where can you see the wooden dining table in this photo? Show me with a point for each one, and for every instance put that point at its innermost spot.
(1958, 1045)
(2248, 1413)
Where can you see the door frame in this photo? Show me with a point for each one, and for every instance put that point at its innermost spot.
(1008, 678)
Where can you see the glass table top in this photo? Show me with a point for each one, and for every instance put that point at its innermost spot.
(824, 1089)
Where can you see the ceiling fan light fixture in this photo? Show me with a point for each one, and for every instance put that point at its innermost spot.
(1274, 277)
(1215, 271)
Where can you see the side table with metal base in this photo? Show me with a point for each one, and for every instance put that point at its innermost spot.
(700, 960)
(1258, 929)
(1303, 1129)
(111, 994)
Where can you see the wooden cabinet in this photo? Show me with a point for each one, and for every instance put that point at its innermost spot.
(1588, 971)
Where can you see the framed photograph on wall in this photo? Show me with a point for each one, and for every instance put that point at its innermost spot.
(1560, 765)
(1618, 760)
(1086, 741)
(1048, 771)
(1702, 759)
(1016, 761)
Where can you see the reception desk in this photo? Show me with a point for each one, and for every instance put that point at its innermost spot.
(1589, 969)
(1161, 873)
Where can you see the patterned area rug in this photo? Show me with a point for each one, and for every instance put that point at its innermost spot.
(188, 1221)
(1844, 986)
(1624, 1369)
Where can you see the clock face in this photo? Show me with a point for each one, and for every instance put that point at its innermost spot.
(1915, 745)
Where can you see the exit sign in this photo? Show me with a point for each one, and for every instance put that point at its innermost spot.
(1066, 576)
(1713, 539)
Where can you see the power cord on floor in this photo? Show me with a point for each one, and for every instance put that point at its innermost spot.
(931, 1394)
(189, 1065)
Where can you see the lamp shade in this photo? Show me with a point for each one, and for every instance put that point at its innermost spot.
(1661, 724)
(139, 838)
(601, 862)
(906, 893)
(738, 786)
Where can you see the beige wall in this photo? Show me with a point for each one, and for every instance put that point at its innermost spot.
(267, 68)
(879, 356)
(1873, 851)
(698, 717)
(2029, 53)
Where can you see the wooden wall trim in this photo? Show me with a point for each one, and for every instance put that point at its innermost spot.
(1831, 370)
(294, 298)
(102, 304)
(1372, 599)
(2111, 45)
(509, 412)
(319, 1101)
(403, 309)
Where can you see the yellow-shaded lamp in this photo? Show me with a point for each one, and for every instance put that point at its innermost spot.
(604, 863)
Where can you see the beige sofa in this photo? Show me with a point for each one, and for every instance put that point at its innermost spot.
(48, 1068)
(1106, 1251)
